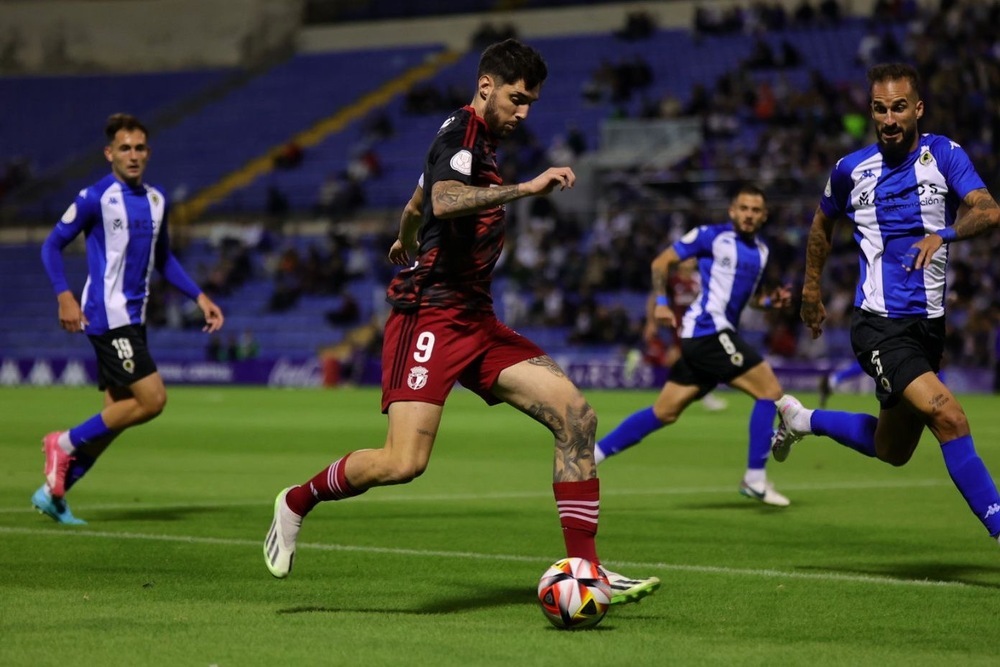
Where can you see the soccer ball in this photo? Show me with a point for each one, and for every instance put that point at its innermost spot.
(574, 593)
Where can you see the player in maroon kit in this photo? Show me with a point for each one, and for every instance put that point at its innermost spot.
(683, 287)
(442, 328)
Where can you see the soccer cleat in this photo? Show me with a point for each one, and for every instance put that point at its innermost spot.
(625, 590)
(793, 425)
(765, 493)
(54, 508)
(279, 546)
(56, 464)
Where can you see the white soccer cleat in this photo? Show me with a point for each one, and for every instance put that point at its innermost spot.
(625, 590)
(793, 425)
(765, 493)
(279, 547)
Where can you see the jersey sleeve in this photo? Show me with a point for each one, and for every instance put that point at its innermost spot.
(171, 269)
(79, 217)
(696, 242)
(449, 158)
(958, 169)
(837, 193)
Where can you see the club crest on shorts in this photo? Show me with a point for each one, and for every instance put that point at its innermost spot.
(417, 378)
(129, 366)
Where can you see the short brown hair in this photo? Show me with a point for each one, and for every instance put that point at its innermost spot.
(123, 121)
(750, 189)
(894, 72)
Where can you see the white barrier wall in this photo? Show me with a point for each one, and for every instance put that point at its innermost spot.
(59, 36)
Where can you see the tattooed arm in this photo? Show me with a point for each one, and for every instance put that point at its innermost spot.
(404, 249)
(817, 249)
(453, 199)
(979, 215)
(982, 215)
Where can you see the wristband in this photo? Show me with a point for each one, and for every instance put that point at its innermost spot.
(765, 302)
(662, 300)
(947, 234)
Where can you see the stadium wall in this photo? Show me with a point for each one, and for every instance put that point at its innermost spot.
(59, 36)
(454, 31)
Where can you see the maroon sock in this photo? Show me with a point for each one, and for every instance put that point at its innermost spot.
(579, 504)
(330, 484)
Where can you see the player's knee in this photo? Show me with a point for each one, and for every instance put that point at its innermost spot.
(894, 450)
(949, 423)
(153, 405)
(585, 415)
(401, 472)
(666, 414)
(896, 458)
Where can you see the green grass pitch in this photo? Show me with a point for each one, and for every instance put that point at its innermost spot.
(871, 565)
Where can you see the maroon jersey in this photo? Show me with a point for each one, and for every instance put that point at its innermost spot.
(455, 257)
(683, 290)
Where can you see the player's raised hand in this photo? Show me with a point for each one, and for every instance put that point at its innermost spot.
(549, 180)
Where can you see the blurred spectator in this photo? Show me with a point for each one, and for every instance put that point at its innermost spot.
(339, 196)
(364, 164)
(289, 156)
(829, 11)
(638, 25)
(277, 205)
(287, 282)
(559, 152)
(347, 312)
(16, 172)
(761, 56)
(378, 127)
(246, 347)
(805, 13)
(487, 34)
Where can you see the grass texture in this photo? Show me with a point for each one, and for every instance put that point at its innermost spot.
(870, 565)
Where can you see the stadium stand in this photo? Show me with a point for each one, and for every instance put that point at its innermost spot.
(290, 97)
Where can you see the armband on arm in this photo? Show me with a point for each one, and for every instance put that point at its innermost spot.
(662, 300)
(947, 234)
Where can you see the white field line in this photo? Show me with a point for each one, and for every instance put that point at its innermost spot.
(430, 553)
(426, 553)
(377, 497)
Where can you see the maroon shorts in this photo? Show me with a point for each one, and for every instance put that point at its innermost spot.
(426, 351)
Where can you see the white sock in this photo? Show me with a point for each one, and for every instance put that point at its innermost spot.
(64, 442)
(755, 476)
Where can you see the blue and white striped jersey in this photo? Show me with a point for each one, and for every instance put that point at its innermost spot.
(730, 267)
(893, 207)
(126, 237)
